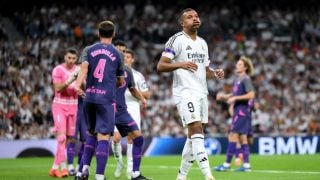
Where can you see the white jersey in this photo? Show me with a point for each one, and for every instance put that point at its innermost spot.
(133, 104)
(181, 48)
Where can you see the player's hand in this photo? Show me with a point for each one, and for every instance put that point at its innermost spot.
(189, 66)
(219, 73)
(231, 100)
(144, 103)
(219, 96)
(80, 92)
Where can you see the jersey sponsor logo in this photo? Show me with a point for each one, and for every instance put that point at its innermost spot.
(196, 57)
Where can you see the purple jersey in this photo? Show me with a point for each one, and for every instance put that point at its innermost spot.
(105, 64)
(128, 83)
(242, 86)
(241, 122)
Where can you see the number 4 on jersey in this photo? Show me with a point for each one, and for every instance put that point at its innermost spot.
(98, 72)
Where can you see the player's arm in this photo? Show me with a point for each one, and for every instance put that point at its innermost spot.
(249, 95)
(214, 73)
(81, 77)
(231, 109)
(146, 94)
(70, 80)
(165, 65)
(120, 71)
(223, 97)
(136, 93)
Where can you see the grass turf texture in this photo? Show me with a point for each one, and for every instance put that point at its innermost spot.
(293, 167)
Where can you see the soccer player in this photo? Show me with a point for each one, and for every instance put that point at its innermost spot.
(80, 133)
(127, 126)
(64, 110)
(133, 108)
(186, 54)
(102, 66)
(241, 100)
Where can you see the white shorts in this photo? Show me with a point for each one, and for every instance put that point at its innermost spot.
(193, 109)
(135, 114)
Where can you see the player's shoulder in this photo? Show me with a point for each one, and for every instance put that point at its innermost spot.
(202, 40)
(176, 37)
(137, 73)
(178, 34)
(58, 67)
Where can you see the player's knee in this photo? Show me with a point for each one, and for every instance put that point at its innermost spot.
(116, 137)
(62, 138)
(135, 134)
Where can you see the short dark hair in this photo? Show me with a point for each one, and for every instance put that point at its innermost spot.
(185, 10)
(130, 51)
(119, 43)
(72, 51)
(106, 29)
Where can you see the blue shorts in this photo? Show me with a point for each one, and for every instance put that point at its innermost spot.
(125, 123)
(81, 124)
(100, 117)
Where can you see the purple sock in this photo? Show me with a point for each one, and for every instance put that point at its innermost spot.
(80, 153)
(70, 152)
(89, 148)
(231, 151)
(102, 154)
(137, 152)
(246, 153)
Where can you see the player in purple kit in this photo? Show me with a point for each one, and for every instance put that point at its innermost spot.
(241, 100)
(102, 66)
(126, 125)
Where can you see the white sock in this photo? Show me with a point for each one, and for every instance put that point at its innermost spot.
(99, 177)
(129, 158)
(117, 151)
(55, 166)
(79, 174)
(70, 166)
(63, 165)
(135, 174)
(200, 154)
(85, 167)
(246, 165)
(187, 158)
(225, 164)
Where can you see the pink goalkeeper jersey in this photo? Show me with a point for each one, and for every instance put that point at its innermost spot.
(68, 96)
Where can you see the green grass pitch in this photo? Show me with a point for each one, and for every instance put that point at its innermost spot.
(284, 167)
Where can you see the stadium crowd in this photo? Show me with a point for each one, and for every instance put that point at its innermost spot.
(284, 45)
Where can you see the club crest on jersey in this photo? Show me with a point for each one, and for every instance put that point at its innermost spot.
(188, 48)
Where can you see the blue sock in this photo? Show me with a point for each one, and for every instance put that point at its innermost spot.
(231, 151)
(70, 152)
(89, 148)
(137, 152)
(102, 154)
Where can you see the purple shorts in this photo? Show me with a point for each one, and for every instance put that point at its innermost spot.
(125, 123)
(100, 117)
(241, 123)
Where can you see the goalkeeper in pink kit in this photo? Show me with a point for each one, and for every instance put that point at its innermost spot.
(64, 110)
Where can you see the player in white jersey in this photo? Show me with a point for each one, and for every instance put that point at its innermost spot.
(133, 107)
(186, 54)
